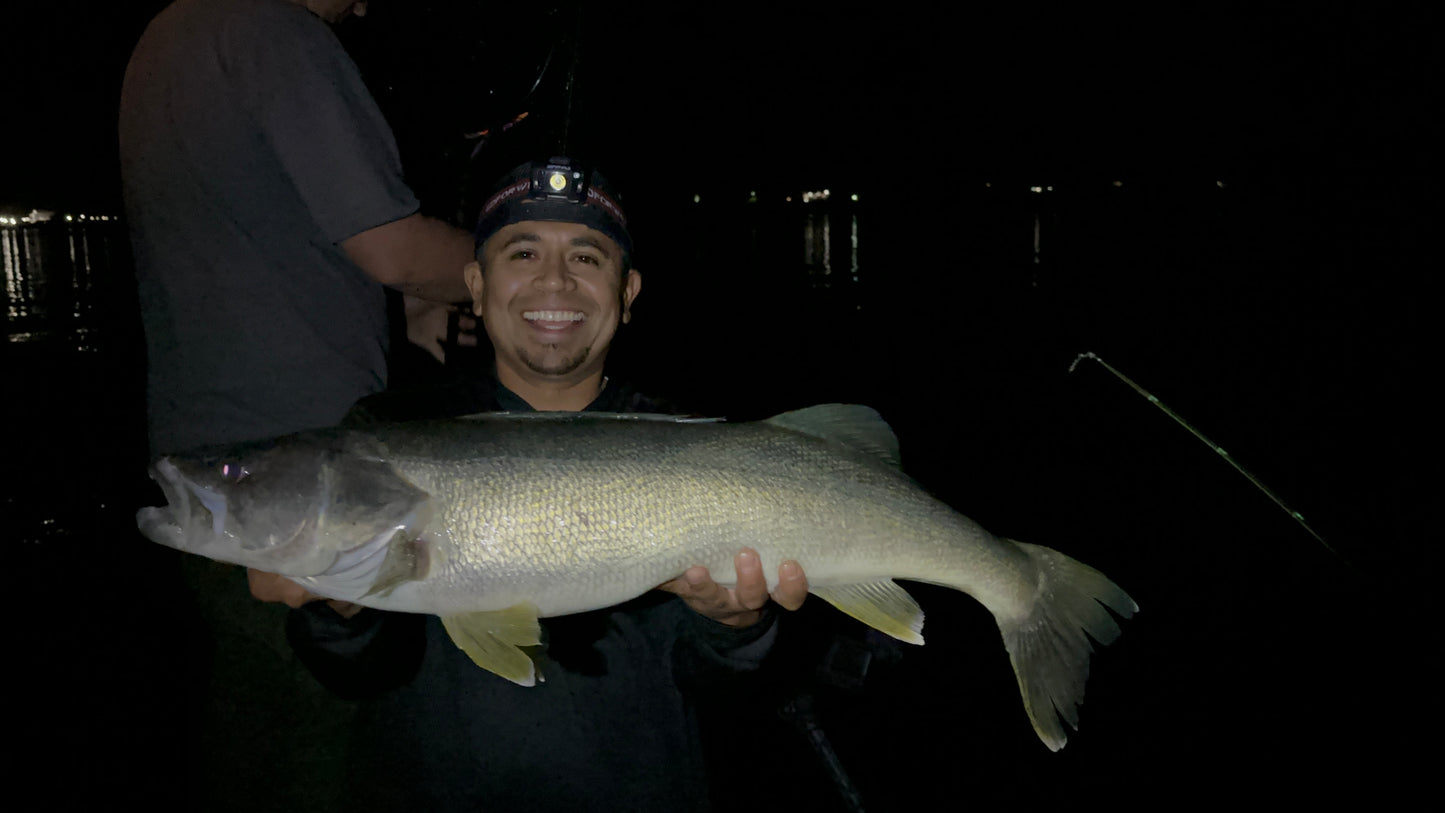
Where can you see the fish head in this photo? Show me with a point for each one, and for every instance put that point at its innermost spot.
(304, 505)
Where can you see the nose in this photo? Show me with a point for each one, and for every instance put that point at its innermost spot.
(553, 275)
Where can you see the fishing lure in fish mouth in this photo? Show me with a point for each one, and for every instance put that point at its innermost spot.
(1151, 398)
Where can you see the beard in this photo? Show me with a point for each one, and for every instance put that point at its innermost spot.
(542, 365)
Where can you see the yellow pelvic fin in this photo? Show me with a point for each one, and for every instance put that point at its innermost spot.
(882, 605)
(492, 640)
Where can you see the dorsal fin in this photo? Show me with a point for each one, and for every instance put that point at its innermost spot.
(853, 425)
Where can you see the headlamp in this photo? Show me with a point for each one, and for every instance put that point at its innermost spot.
(557, 189)
(558, 181)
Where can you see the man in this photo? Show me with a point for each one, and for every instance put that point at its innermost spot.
(612, 726)
(267, 210)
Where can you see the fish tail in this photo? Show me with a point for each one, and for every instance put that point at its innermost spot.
(1049, 643)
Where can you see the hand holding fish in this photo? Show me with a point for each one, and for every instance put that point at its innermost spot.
(740, 606)
(271, 587)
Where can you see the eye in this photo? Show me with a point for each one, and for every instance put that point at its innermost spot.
(523, 254)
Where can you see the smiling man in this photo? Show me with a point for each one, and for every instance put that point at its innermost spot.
(552, 281)
(614, 725)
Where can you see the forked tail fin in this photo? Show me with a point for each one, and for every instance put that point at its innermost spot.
(1048, 645)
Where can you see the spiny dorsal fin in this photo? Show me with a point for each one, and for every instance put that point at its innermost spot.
(492, 640)
(853, 425)
(882, 605)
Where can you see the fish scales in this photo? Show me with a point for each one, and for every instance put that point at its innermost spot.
(512, 517)
(722, 492)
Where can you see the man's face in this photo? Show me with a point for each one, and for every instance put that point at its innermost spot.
(551, 298)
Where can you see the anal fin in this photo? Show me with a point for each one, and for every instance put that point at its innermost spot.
(882, 605)
(493, 640)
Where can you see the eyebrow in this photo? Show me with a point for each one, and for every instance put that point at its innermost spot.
(521, 237)
(584, 240)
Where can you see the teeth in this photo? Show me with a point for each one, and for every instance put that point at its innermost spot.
(552, 316)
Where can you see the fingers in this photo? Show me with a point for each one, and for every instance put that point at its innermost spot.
(792, 586)
(686, 584)
(709, 598)
(752, 588)
(466, 329)
(271, 587)
(747, 598)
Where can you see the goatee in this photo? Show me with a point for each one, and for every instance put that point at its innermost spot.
(562, 367)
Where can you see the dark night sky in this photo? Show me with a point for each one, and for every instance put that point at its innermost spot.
(812, 90)
(1284, 314)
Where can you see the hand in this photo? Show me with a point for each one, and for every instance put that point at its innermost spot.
(426, 325)
(271, 587)
(742, 605)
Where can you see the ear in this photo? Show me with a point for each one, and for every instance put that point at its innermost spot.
(472, 274)
(630, 288)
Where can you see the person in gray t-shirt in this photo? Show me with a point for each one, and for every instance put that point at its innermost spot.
(267, 210)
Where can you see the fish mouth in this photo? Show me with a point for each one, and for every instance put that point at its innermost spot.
(187, 505)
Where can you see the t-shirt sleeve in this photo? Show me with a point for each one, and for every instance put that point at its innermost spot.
(309, 103)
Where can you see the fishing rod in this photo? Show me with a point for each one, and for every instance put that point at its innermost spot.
(1151, 398)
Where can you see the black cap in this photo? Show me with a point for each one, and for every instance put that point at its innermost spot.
(557, 189)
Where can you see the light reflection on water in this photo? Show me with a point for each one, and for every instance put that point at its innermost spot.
(56, 275)
(818, 243)
(71, 378)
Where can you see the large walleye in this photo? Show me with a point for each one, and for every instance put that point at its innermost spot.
(491, 521)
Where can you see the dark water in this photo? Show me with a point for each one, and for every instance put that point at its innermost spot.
(1261, 667)
(73, 372)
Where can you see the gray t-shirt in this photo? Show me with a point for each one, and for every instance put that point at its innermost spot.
(250, 148)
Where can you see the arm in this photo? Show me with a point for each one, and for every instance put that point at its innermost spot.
(330, 141)
(417, 255)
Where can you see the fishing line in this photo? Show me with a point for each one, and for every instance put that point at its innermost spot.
(1149, 396)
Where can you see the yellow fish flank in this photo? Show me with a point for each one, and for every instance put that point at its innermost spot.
(492, 521)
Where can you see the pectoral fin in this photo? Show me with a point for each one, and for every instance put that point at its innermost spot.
(882, 605)
(492, 640)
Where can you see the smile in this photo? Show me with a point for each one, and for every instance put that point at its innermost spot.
(553, 316)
